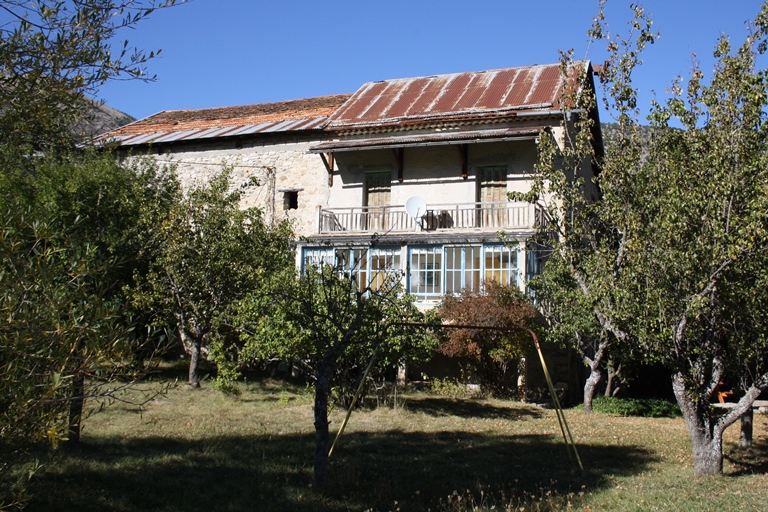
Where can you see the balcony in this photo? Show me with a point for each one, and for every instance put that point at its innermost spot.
(504, 215)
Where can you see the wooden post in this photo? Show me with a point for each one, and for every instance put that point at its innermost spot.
(745, 439)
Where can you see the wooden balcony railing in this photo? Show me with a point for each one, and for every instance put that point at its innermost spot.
(394, 219)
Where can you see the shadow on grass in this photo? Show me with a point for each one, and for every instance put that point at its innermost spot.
(469, 409)
(273, 473)
(748, 461)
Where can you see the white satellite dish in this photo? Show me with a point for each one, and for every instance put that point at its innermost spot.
(416, 207)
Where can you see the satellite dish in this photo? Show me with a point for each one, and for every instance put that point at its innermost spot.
(416, 207)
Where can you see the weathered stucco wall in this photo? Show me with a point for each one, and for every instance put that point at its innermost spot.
(432, 172)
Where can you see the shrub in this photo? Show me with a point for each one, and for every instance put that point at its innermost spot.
(645, 407)
(450, 388)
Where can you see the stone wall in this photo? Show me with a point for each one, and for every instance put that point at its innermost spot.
(265, 169)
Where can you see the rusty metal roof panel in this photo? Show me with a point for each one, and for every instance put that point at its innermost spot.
(427, 90)
(243, 130)
(420, 100)
(310, 124)
(545, 86)
(520, 89)
(497, 87)
(292, 125)
(226, 131)
(366, 95)
(115, 138)
(278, 127)
(403, 101)
(452, 93)
(380, 104)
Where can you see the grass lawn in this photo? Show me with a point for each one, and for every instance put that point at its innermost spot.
(198, 450)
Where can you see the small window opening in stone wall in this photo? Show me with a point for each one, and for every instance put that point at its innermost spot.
(290, 200)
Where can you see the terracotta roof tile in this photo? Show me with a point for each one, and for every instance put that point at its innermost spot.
(182, 120)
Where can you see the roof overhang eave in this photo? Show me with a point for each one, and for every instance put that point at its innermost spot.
(410, 141)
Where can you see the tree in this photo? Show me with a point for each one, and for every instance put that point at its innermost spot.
(74, 230)
(212, 254)
(587, 250)
(57, 53)
(490, 352)
(571, 322)
(76, 226)
(333, 325)
(676, 249)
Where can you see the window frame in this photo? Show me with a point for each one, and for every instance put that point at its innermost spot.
(509, 268)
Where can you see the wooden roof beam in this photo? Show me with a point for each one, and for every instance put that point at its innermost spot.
(328, 162)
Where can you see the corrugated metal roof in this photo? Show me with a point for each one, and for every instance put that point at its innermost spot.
(500, 93)
(183, 125)
(431, 139)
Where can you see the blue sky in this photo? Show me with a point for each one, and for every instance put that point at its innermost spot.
(237, 52)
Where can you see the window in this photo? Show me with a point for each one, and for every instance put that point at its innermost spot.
(370, 267)
(462, 268)
(437, 270)
(377, 265)
(492, 183)
(426, 272)
(317, 256)
(500, 264)
(291, 200)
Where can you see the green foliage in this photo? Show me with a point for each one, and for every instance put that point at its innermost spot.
(75, 227)
(71, 238)
(56, 53)
(672, 259)
(491, 353)
(642, 407)
(305, 318)
(325, 322)
(211, 255)
(450, 388)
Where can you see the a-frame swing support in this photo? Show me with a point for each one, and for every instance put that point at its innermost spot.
(573, 453)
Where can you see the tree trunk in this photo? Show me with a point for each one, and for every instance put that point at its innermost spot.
(590, 387)
(707, 452)
(194, 361)
(595, 375)
(706, 435)
(76, 408)
(613, 374)
(191, 346)
(322, 392)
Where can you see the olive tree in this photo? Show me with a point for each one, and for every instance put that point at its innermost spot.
(75, 229)
(55, 54)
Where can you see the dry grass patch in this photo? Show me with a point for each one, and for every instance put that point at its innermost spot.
(198, 450)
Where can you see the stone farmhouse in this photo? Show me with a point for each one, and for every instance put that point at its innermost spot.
(407, 176)
(422, 166)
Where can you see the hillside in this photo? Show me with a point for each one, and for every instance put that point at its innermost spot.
(610, 132)
(103, 119)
